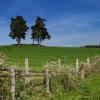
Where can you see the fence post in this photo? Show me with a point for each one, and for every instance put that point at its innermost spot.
(88, 63)
(59, 62)
(82, 72)
(13, 76)
(77, 65)
(26, 70)
(47, 79)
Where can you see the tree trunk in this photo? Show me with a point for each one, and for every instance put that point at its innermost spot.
(33, 41)
(18, 41)
(38, 41)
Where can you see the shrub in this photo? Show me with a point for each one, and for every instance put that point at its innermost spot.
(61, 77)
(2, 58)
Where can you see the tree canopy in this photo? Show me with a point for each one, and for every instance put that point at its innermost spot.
(39, 31)
(18, 28)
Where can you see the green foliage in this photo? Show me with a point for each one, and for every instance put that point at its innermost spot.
(2, 58)
(18, 28)
(60, 84)
(39, 31)
(87, 89)
(5, 93)
(62, 77)
(23, 92)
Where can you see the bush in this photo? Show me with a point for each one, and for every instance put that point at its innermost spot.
(2, 59)
(61, 77)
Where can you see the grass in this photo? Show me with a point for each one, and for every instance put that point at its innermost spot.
(40, 55)
(87, 89)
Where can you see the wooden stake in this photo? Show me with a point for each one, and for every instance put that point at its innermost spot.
(47, 79)
(82, 73)
(77, 65)
(59, 62)
(88, 63)
(13, 75)
(26, 71)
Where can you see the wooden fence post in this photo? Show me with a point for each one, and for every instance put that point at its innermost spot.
(59, 62)
(88, 63)
(47, 79)
(82, 72)
(69, 71)
(13, 76)
(77, 65)
(26, 70)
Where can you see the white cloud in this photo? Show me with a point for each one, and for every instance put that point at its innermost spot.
(69, 31)
(2, 21)
(74, 24)
(73, 39)
(74, 31)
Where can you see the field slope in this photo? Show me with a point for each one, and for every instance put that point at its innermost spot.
(40, 55)
(87, 89)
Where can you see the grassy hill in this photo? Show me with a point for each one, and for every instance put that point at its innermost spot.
(40, 55)
(87, 89)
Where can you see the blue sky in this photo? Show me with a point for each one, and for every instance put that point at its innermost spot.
(70, 22)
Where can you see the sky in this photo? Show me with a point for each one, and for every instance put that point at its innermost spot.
(69, 22)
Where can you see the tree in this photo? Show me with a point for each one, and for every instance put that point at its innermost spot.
(39, 31)
(18, 28)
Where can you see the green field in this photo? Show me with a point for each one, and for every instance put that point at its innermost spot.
(87, 89)
(40, 55)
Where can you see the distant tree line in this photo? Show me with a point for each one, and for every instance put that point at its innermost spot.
(92, 46)
(19, 30)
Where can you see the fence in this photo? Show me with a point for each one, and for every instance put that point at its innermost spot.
(26, 73)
